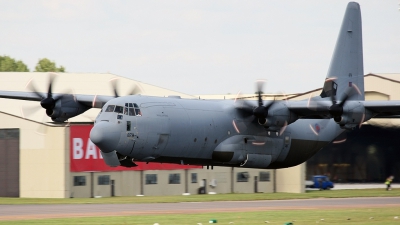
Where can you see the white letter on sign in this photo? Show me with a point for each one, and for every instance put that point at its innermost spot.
(91, 150)
(77, 148)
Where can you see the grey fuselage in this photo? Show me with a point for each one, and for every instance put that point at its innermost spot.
(205, 132)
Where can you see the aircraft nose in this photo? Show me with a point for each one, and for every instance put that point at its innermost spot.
(105, 135)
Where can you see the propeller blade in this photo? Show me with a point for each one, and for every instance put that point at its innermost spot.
(114, 86)
(32, 88)
(245, 107)
(246, 111)
(347, 95)
(29, 111)
(239, 125)
(336, 110)
(42, 128)
(66, 92)
(51, 80)
(260, 84)
(340, 139)
(269, 104)
(333, 99)
(136, 90)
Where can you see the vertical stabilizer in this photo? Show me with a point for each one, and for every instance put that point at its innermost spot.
(346, 68)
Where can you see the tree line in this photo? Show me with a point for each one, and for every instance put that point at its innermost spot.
(8, 64)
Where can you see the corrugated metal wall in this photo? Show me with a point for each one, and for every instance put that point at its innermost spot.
(9, 162)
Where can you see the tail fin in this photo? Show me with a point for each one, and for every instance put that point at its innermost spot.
(346, 68)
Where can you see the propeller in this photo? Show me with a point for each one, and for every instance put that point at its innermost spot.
(48, 101)
(249, 111)
(261, 111)
(336, 109)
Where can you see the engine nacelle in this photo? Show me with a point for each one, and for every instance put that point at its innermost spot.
(65, 108)
(278, 116)
(354, 114)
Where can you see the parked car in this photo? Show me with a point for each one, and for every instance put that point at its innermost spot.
(319, 181)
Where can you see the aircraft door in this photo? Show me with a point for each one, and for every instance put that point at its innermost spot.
(202, 133)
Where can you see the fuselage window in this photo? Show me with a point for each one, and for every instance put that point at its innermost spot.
(128, 125)
(110, 108)
(126, 110)
(119, 109)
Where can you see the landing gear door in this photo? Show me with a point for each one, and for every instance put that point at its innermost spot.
(287, 141)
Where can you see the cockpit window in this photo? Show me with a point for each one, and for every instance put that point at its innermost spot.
(138, 112)
(132, 109)
(119, 109)
(131, 112)
(110, 108)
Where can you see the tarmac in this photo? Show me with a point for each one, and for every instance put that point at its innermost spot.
(343, 186)
(23, 212)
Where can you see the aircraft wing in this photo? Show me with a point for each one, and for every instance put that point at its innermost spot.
(320, 109)
(310, 110)
(383, 109)
(29, 96)
(94, 101)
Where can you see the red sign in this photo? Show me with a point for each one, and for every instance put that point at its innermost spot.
(85, 156)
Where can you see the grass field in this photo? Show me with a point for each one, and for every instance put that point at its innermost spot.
(369, 216)
(305, 216)
(206, 198)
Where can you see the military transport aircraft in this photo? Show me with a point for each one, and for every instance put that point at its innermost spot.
(241, 133)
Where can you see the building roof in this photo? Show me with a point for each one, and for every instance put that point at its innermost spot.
(394, 77)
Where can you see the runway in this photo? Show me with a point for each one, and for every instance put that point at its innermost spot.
(20, 212)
